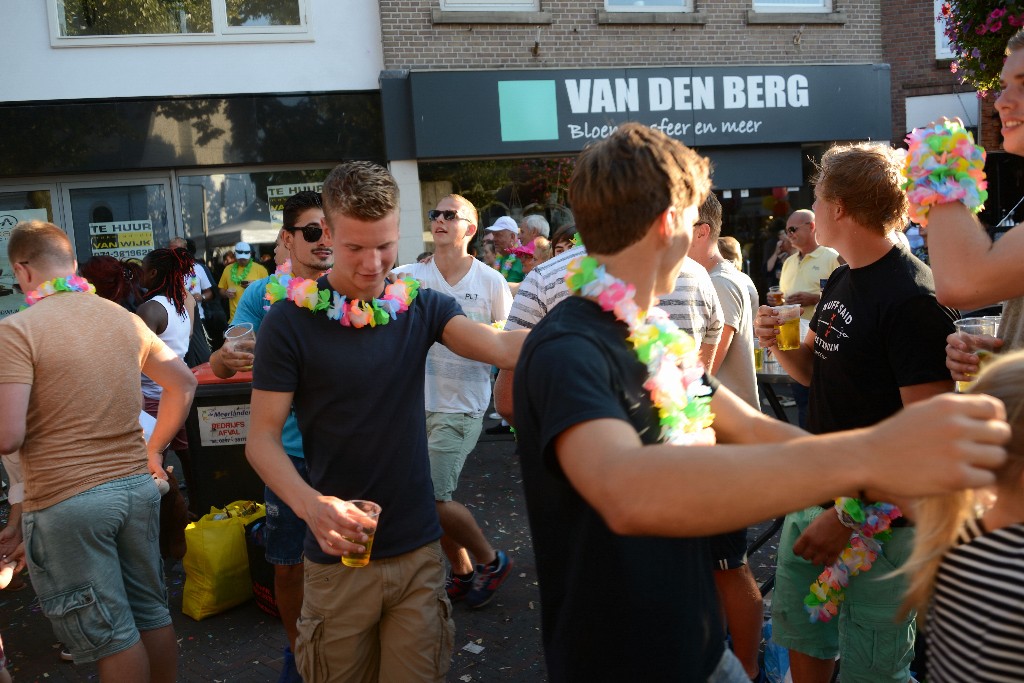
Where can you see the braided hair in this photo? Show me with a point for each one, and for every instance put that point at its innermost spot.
(115, 280)
(171, 267)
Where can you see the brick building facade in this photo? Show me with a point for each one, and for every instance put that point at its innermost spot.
(416, 34)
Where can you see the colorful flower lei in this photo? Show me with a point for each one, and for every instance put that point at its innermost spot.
(943, 165)
(872, 524)
(674, 373)
(71, 283)
(398, 296)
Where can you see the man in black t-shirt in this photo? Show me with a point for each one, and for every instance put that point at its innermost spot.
(358, 393)
(616, 514)
(876, 343)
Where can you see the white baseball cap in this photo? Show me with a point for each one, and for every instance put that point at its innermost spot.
(504, 223)
(243, 250)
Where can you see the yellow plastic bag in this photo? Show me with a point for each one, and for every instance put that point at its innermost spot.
(216, 563)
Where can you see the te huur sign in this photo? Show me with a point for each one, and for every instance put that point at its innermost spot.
(479, 113)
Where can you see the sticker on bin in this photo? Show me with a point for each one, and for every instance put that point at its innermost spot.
(223, 425)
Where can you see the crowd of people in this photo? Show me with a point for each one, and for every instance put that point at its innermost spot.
(624, 346)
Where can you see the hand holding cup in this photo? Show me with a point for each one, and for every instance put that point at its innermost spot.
(239, 346)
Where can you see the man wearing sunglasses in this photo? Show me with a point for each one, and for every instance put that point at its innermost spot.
(239, 275)
(458, 393)
(311, 255)
(801, 277)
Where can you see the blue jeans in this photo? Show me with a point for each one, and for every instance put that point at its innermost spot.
(95, 564)
(286, 531)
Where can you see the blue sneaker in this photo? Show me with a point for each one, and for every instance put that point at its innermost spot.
(488, 579)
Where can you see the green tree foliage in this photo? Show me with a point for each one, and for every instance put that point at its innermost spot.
(136, 17)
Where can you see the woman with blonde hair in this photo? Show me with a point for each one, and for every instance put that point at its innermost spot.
(966, 573)
(731, 249)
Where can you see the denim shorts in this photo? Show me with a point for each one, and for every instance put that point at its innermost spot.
(285, 530)
(95, 564)
(450, 438)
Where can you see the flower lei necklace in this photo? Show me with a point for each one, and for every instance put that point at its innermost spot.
(943, 165)
(674, 373)
(398, 296)
(872, 526)
(71, 283)
(237, 277)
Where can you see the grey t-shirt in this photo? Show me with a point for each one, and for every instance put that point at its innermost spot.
(737, 369)
(1011, 328)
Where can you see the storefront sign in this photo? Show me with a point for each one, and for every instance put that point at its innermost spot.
(11, 296)
(223, 425)
(277, 195)
(124, 240)
(553, 111)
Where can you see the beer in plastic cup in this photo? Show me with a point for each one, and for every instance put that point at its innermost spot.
(980, 335)
(775, 297)
(240, 338)
(758, 356)
(788, 337)
(371, 510)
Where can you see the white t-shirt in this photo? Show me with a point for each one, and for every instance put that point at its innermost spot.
(197, 282)
(455, 384)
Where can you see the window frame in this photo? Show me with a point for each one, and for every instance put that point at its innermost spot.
(824, 7)
(222, 32)
(489, 5)
(943, 51)
(681, 6)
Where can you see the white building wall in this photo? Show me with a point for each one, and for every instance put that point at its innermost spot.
(410, 210)
(341, 51)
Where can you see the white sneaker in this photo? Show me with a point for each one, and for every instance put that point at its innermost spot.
(494, 416)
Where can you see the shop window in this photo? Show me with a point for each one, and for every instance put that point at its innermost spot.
(131, 22)
(649, 5)
(220, 209)
(792, 5)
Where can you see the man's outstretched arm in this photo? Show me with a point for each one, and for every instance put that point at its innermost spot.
(946, 443)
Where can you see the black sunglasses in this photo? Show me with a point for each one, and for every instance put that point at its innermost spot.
(447, 214)
(311, 233)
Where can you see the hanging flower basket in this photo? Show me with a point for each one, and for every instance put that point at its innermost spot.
(977, 32)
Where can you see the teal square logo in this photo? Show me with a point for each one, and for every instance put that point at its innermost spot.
(528, 110)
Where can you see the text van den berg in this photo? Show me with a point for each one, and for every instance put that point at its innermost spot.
(684, 93)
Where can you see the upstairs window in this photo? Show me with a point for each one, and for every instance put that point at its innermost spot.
(649, 5)
(113, 22)
(490, 5)
(792, 5)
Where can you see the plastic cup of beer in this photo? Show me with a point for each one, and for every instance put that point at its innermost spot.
(758, 356)
(788, 332)
(371, 511)
(980, 337)
(240, 338)
(775, 297)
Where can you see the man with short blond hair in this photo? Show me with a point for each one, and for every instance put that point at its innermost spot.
(358, 392)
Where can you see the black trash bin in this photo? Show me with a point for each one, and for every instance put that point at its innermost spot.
(217, 427)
